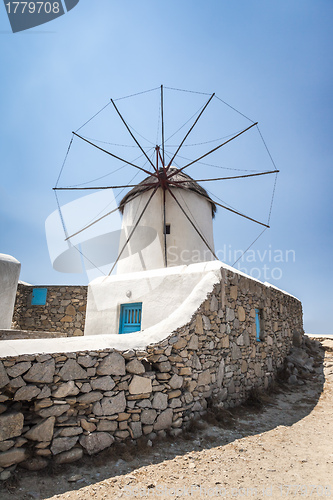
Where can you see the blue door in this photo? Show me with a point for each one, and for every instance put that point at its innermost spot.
(130, 317)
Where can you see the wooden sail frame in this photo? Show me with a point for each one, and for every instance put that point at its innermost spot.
(162, 177)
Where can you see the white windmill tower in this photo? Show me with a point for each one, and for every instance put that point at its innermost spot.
(167, 242)
(175, 229)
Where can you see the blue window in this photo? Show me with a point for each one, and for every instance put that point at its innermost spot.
(258, 325)
(38, 296)
(130, 317)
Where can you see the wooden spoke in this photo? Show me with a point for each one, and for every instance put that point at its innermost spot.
(114, 156)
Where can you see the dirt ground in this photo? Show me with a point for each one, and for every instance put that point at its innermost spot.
(280, 446)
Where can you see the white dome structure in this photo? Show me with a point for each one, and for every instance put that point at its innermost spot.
(9, 275)
(176, 228)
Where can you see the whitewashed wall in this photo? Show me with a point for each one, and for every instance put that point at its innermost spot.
(184, 246)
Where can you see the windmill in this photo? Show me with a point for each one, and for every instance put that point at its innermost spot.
(164, 189)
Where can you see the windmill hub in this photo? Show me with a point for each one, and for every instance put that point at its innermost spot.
(163, 179)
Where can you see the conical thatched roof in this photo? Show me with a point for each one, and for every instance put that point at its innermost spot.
(189, 185)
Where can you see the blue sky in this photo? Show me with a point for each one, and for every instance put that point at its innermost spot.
(270, 60)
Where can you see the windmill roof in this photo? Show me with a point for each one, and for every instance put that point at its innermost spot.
(187, 184)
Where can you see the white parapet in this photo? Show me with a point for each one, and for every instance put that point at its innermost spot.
(9, 275)
(160, 291)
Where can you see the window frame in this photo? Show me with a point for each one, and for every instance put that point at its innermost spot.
(38, 296)
(124, 325)
(259, 324)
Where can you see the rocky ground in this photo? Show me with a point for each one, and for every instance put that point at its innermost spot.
(278, 445)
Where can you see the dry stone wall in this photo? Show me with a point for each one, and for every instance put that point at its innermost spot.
(64, 311)
(63, 405)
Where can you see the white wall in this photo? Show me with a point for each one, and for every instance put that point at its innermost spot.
(184, 246)
(161, 291)
(9, 275)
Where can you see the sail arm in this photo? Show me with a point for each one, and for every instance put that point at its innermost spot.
(230, 177)
(115, 156)
(192, 223)
(109, 213)
(213, 150)
(132, 232)
(190, 130)
(232, 210)
(99, 187)
(132, 135)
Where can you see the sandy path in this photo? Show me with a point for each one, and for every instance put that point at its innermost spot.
(283, 450)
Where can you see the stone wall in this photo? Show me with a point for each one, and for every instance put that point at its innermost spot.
(63, 405)
(64, 311)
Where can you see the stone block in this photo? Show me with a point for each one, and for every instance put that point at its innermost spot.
(13, 456)
(42, 431)
(180, 344)
(6, 445)
(63, 444)
(193, 343)
(107, 425)
(214, 305)
(257, 370)
(105, 383)
(18, 369)
(206, 323)
(241, 313)
(11, 425)
(164, 420)
(86, 361)
(71, 431)
(16, 383)
(220, 373)
(240, 340)
(198, 324)
(147, 429)
(87, 426)
(185, 370)
(67, 457)
(230, 314)
(67, 319)
(160, 401)
(54, 411)
(123, 416)
(70, 310)
(72, 371)
(41, 373)
(113, 364)
(235, 352)
(204, 378)
(90, 397)
(176, 381)
(140, 385)
(96, 442)
(196, 362)
(165, 366)
(4, 379)
(122, 434)
(110, 405)
(225, 341)
(148, 416)
(67, 389)
(233, 292)
(26, 393)
(174, 394)
(135, 430)
(135, 366)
